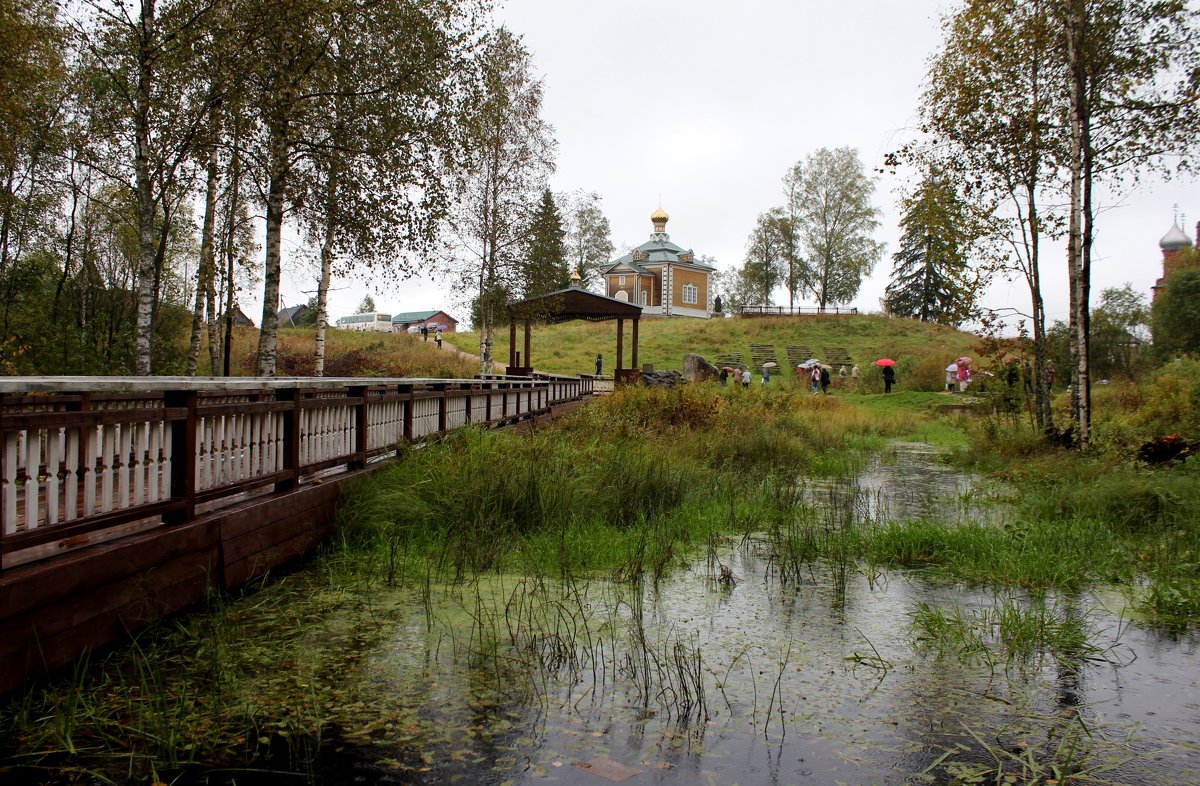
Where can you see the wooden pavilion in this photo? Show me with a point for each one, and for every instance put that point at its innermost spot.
(564, 305)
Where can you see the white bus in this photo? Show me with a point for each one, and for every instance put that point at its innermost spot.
(373, 321)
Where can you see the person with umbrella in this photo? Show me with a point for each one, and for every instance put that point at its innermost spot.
(951, 376)
(724, 376)
(964, 373)
(889, 373)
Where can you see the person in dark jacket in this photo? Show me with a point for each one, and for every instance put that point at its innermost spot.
(889, 376)
(825, 380)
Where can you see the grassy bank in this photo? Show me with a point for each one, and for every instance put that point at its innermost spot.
(920, 349)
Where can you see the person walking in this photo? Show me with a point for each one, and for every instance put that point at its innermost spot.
(746, 378)
(889, 376)
(599, 364)
(766, 375)
(824, 380)
(854, 372)
(724, 376)
(814, 377)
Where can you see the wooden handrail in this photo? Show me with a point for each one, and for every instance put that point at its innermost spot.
(80, 455)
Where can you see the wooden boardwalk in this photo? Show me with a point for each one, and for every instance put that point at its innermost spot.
(122, 500)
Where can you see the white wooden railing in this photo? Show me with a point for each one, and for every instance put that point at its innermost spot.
(81, 455)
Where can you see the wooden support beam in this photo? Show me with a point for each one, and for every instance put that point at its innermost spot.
(512, 342)
(633, 363)
(620, 347)
(528, 347)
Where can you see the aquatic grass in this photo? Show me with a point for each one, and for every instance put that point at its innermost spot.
(1037, 554)
(1011, 630)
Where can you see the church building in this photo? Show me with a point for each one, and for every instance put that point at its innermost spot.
(661, 277)
(1174, 244)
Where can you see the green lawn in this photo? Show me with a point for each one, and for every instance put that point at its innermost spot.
(571, 348)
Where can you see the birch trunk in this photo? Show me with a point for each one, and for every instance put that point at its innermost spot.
(326, 272)
(1079, 295)
(205, 274)
(272, 262)
(235, 186)
(145, 197)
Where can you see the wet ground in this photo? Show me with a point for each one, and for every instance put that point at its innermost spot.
(528, 680)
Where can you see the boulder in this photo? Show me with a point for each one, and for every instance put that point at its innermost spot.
(661, 379)
(697, 369)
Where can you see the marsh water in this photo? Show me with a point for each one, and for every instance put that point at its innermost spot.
(722, 673)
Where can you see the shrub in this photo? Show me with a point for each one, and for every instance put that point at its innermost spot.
(1172, 399)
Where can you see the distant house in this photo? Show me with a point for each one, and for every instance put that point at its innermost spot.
(239, 319)
(292, 315)
(402, 323)
(661, 277)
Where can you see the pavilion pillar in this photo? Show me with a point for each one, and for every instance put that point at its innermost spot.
(512, 343)
(633, 364)
(620, 347)
(528, 363)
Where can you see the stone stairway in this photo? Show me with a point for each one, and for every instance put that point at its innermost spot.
(762, 353)
(797, 354)
(838, 356)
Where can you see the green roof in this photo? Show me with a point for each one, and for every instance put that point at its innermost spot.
(658, 249)
(416, 316)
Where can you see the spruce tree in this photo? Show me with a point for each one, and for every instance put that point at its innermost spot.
(931, 280)
(545, 265)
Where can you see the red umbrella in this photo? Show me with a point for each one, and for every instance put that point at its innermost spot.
(885, 362)
(964, 360)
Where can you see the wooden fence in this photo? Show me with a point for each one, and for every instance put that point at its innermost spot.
(82, 458)
(784, 311)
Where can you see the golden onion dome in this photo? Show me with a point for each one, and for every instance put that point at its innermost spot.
(659, 216)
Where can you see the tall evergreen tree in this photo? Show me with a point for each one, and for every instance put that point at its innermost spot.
(544, 268)
(931, 280)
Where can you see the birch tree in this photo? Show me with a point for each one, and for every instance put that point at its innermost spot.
(1132, 71)
(512, 154)
(589, 237)
(991, 109)
(834, 221)
(384, 158)
(146, 52)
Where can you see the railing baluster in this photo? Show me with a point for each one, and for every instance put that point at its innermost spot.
(33, 460)
(53, 486)
(9, 482)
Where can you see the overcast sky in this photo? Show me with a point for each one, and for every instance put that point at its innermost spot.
(709, 102)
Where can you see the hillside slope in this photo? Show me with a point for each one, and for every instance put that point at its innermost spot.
(571, 348)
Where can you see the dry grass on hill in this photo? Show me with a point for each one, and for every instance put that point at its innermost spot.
(354, 354)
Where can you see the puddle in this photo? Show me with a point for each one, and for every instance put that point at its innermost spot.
(906, 481)
(696, 682)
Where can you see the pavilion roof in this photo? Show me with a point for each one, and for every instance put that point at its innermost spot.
(564, 305)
